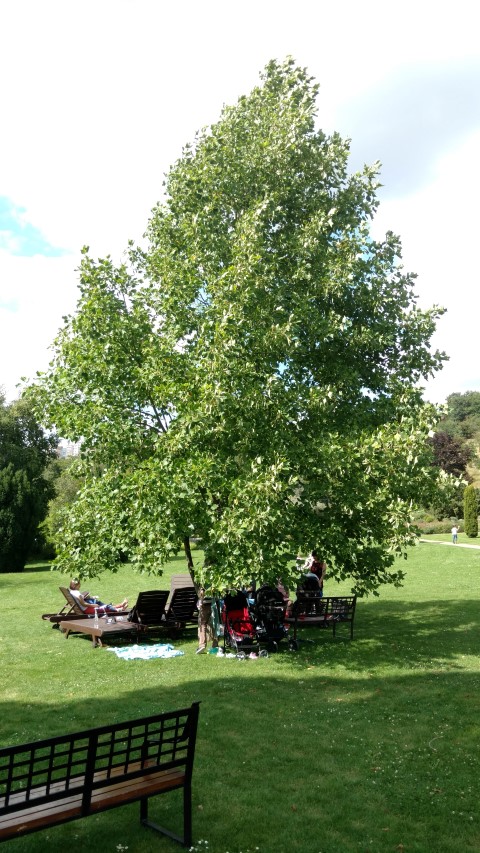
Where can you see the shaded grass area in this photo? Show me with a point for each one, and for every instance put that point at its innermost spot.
(370, 745)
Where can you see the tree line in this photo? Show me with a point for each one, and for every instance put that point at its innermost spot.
(25, 486)
(456, 447)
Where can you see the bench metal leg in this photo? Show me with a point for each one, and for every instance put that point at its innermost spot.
(187, 815)
(186, 841)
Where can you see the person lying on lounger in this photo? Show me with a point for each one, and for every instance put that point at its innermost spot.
(90, 603)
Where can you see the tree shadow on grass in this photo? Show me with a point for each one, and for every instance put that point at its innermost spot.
(318, 762)
(403, 635)
(37, 567)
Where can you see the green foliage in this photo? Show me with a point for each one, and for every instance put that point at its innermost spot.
(66, 483)
(434, 526)
(24, 490)
(447, 500)
(252, 378)
(462, 418)
(464, 406)
(470, 512)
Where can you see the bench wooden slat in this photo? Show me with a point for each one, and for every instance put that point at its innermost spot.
(125, 791)
(38, 817)
(134, 789)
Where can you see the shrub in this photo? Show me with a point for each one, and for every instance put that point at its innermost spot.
(470, 511)
(435, 526)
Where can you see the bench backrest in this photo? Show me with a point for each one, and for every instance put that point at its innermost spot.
(340, 608)
(45, 771)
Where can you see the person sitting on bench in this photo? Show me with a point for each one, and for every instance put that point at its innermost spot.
(90, 603)
(317, 567)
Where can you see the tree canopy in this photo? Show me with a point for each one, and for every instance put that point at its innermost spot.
(24, 490)
(251, 377)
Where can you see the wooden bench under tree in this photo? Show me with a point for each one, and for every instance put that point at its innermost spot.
(49, 782)
(311, 611)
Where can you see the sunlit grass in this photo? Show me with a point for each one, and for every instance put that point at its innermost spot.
(463, 539)
(370, 745)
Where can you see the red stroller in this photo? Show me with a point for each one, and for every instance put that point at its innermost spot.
(239, 630)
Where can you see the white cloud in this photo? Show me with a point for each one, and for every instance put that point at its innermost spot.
(438, 227)
(36, 292)
(99, 98)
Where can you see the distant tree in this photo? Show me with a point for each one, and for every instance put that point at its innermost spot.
(66, 483)
(463, 415)
(252, 377)
(24, 491)
(470, 512)
(462, 406)
(451, 454)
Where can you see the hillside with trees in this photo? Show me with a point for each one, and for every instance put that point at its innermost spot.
(462, 424)
(456, 446)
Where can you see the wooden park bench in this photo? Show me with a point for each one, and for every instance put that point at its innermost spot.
(49, 782)
(309, 610)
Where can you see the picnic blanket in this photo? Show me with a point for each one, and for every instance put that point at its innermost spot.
(135, 652)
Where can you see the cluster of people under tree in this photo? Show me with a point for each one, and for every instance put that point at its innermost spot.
(208, 618)
(313, 569)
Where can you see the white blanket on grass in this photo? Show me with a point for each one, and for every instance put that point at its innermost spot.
(159, 650)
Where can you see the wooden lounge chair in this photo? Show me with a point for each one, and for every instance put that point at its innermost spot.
(149, 610)
(179, 581)
(183, 581)
(182, 607)
(70, 610)
(152, 611)
(76, 606)
(72, 601)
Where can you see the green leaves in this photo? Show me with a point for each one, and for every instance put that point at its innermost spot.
(252, 376)
(24, 490)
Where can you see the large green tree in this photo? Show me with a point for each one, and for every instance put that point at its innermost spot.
(24, 489)
(252, 376)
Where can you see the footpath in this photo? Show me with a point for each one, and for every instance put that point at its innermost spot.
(450, 544)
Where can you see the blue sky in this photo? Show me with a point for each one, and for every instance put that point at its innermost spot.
(99, 98)
(20, 237)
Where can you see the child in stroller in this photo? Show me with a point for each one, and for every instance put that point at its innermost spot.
(270, 611)
(238, 628)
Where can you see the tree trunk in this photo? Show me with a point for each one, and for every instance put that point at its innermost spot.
(188, 555)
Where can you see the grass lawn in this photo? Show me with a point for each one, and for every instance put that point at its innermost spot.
(463, 539)
(343, 747)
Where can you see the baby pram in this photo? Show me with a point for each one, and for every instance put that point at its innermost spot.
(270, 610)
(238, 628)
